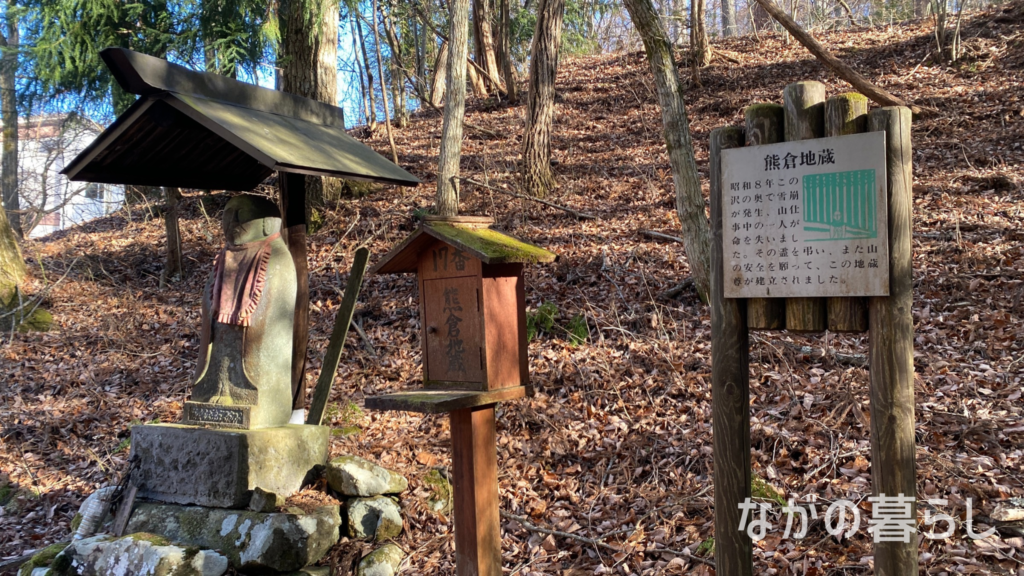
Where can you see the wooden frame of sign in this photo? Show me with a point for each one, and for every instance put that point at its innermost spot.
(886, 312)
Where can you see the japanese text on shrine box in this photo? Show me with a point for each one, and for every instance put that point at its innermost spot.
(806, 218)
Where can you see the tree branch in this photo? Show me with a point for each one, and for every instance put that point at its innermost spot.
(844, 71)
(599, 540)
(580, 215)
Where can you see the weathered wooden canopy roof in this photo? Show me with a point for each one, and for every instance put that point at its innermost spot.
(202, 130)
(468, 233)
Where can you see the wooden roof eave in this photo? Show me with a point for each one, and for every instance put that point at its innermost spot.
(210, 131)
(122, 123)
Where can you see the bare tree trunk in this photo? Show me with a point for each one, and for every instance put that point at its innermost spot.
(309, 57)
(728, 18)
(484, 37)
(383, 92)
(447, 203)
(359, 72)
(9, 108)
(540, 99)
(12, 265)
(369, 76)
(421, 68)
(440, 76)
(504, 51)
(474, 68)
(397, 72)
(700, 49)
(676, 131)
(172, 266)
(479, 88)
(862, 84)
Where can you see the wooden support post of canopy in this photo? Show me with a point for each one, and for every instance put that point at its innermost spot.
(730, 388)
(475, 494)
(292, 189)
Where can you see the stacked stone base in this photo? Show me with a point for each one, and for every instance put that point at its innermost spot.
(193, 484)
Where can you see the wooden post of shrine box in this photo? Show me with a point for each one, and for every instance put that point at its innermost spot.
(473, 333)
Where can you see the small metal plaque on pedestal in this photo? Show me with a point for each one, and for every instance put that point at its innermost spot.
(216, 415)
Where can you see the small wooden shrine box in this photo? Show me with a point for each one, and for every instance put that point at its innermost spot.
(472, 313)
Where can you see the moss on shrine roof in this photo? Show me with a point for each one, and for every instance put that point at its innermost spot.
(493, 246)
(488, 246)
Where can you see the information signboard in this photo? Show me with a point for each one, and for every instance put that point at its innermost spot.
(806, 218)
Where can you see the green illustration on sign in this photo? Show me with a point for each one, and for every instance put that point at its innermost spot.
(840, 205)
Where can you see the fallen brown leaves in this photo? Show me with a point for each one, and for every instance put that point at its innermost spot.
(616, 446)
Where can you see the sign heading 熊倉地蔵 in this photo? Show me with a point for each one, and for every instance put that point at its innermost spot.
(806, 218)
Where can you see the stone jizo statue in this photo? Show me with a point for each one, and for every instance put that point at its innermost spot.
(243, 377)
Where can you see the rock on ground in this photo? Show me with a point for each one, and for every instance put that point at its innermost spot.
(383, 561)
(135, 555)
(378, 518)
(355, 476)
(41, 560)
(252, 541)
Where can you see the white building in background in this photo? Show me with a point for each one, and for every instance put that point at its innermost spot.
(47, 197)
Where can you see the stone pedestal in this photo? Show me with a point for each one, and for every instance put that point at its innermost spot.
(220, 468)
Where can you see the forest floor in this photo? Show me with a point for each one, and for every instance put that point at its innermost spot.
(617, 440)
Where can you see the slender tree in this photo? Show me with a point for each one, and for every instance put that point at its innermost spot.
(700, 50)
(172, 265)
(439, 82)
(12, 265)
(398, 70)
(676, 131)
(728, 18)
(9, 44)
(447, 201)
(383, 92)
(369, 71)
(503, 50)
(540, 99)
(483, 38)
(367, 114)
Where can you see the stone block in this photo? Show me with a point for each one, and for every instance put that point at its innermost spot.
(383, 561)
(263, 501)
(355, 476)
(378, 518)
(220, 468)
(252, 541)
(135, 555)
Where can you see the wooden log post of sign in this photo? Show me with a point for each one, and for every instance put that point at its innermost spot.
(730, 388)
(806, 223)
(891, 350)
(847, 114)
(764, 124)
(805, 119)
